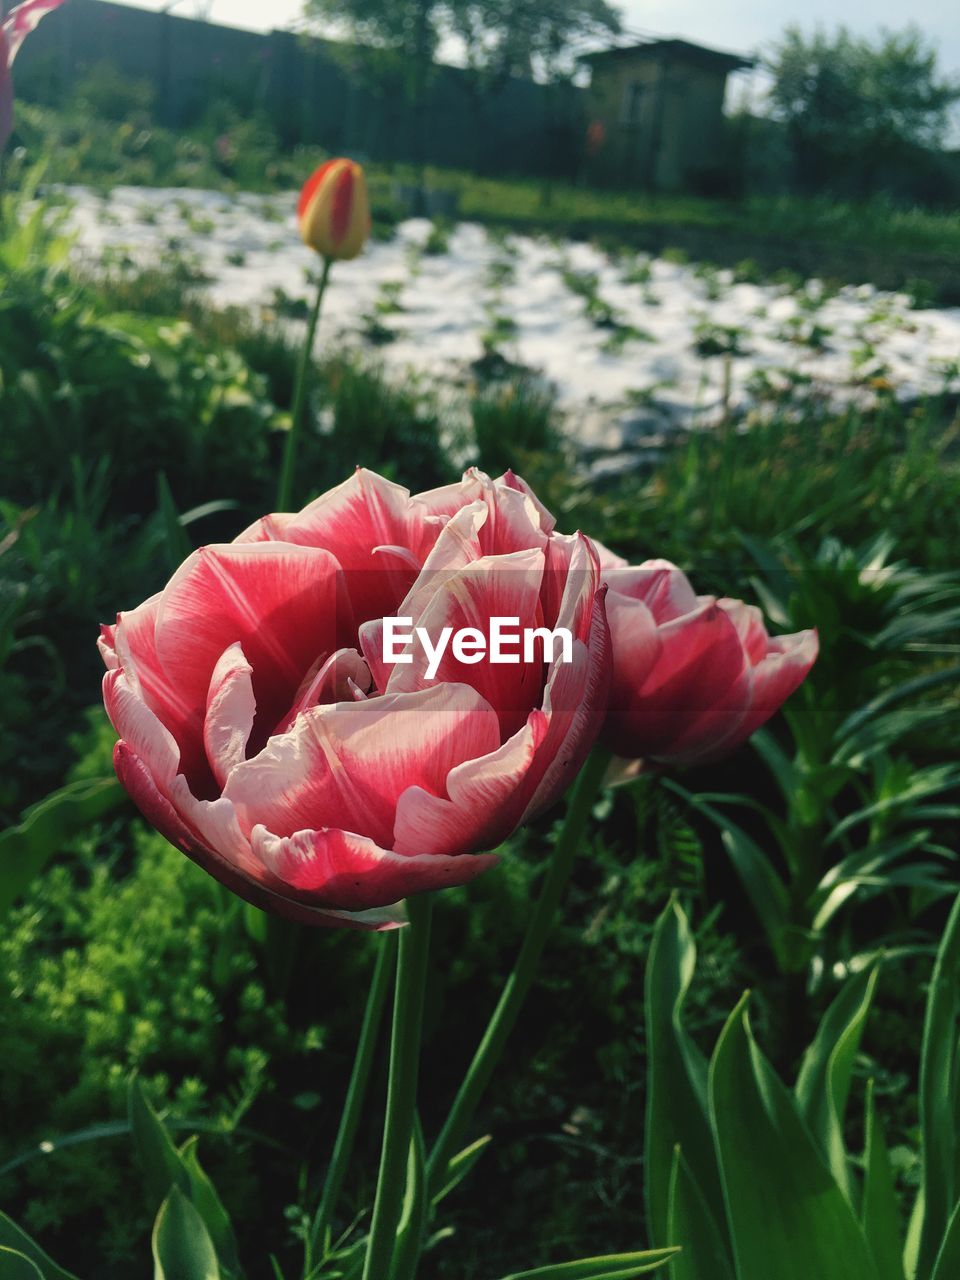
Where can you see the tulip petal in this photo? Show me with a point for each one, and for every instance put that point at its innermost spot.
(348, 763)
(776, 676)
(503, 586)
(342, 870)
(6, 92)
(161, 814)
(280, 602)
(231, 708)
(20, 21)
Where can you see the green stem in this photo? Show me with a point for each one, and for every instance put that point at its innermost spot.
(518, 984)
(402, 1088)
(356, 1097)
(285, 488)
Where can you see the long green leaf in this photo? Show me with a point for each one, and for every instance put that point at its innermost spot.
(158, 1157)
(17, 1266)
(879, 1212)
(938, 1095)
(823, 1084)
(413, 1215)
(614, 1266)
(461, 1164)
(165, 1167)
(704, 1253)
(182, 1249)
(206, 1200)
(947, 1266)
(766, 891)
(677, 1076)
(788, 1217)
(16, 1239)
(46, 827)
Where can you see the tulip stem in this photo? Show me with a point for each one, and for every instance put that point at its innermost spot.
(356, 1098)
(401, 1088)
(285, 488)
(488, 1054)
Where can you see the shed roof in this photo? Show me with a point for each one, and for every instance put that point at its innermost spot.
(673, 50)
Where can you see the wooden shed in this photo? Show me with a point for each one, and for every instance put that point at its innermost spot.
(656, 113)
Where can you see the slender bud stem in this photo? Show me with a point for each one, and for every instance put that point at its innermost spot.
(402, 1088)
(285, 488)
(518, 984)
(356, 1096)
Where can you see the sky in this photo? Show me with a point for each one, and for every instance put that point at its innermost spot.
(744, 26)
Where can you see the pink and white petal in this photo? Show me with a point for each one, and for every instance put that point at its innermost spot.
(20, 21)
(144, 733)
(231, 708)
(511, 480)
(777, 676)
(337, 679)
(272, 528)
(355, 518)
(6, 92)
(575, 704)
(571, 579)
(484, 800)
(635, 642)
(282, 603)
(748, 620)
(458, 545)
(662, 587)
(161, 814)
(504, 586)
(345, 871)
(348, 763)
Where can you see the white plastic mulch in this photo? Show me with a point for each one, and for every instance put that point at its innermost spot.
(438, 307)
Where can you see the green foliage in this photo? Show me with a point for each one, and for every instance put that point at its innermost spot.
(159, 976)
(790, 1190)
(852, 105)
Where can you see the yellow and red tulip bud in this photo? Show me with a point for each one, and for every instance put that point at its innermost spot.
(334, 212)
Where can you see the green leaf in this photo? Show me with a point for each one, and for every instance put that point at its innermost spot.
(677, 1112)
(879, 1211)
(938, 1095)
(158, 1157)
(461, 1164)
(413, 1214)
(165, 1167)
(16, 1240)
(704, 1253)
(787, 1215)
(17, 1266)
(206, 1201)
(614, 1266)
(766, 891)
(947, 1266)
(823, 1084)
(182, 1249)
(47, 826)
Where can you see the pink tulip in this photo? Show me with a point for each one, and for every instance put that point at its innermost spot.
(693, 676)
(263, 732)
(14, 29)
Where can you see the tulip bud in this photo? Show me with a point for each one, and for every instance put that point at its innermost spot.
(334, 212)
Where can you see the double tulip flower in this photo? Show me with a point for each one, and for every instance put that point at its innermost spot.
(264, 733)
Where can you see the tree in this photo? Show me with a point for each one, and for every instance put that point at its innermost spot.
(398, 40)
(851, 105)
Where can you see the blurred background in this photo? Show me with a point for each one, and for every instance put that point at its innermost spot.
(693, 271)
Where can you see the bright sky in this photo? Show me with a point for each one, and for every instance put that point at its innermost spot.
(743, 26)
